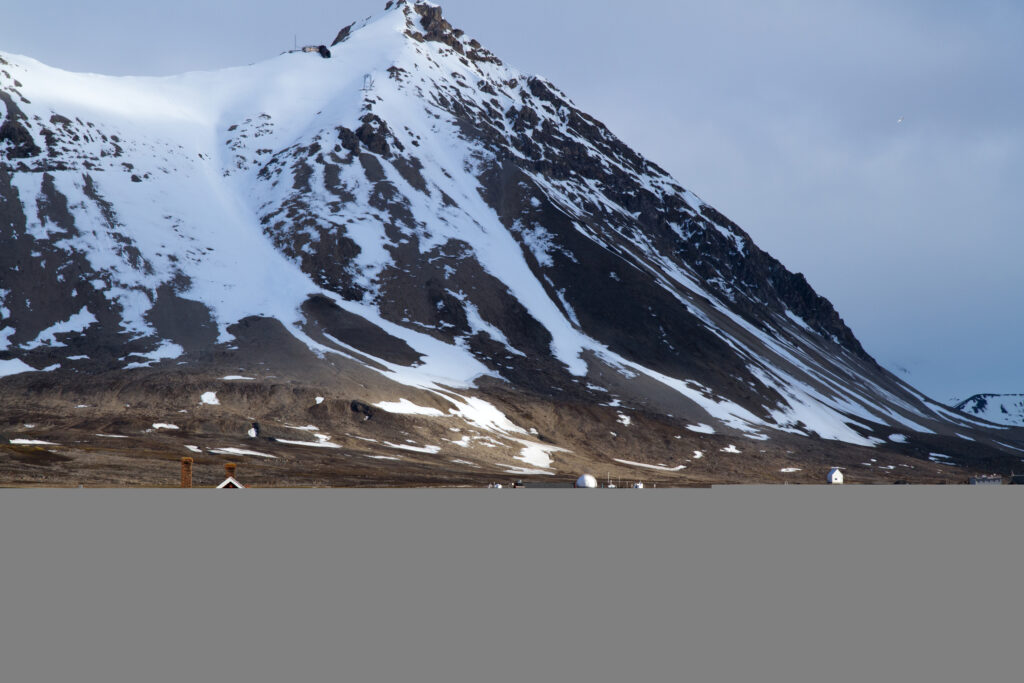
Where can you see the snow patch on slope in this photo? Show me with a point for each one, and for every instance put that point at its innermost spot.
(76, 323)
(14, 367)
(406, 407)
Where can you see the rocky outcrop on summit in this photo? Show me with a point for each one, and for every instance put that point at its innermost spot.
(436, 28)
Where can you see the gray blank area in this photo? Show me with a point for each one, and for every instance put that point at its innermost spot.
(727, 584)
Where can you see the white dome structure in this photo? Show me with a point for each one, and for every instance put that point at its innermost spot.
(586, 481)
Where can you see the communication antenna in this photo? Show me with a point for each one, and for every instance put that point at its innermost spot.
(367, 83)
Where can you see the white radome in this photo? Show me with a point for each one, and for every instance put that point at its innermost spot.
(586, 481)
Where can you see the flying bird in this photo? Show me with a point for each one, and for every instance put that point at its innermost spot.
(899, 120)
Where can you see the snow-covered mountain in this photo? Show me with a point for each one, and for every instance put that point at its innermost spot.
(414, 207)
(1005, 409)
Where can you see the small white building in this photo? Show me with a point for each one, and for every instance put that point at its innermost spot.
(835, 476)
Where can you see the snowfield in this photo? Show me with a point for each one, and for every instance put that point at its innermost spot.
(701, 429)
(14, 367)
(240, 451)
(663, 468)
(406, 407)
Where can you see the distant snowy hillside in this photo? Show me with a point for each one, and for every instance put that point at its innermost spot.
(1006, 409)
(416, 207)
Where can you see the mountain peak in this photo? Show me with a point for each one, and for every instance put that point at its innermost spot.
(407, 220)
(425, 22)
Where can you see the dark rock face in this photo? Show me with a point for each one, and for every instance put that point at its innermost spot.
(357, 332)
(363, 409)
(14, 136)
(437, 29)
(342, 35)
(21, 141)
(186, 322)
(55, 285)
(374, 135)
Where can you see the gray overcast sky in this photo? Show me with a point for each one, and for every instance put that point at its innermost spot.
(780, 113)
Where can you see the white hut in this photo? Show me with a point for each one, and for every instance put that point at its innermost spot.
(586, 481)
(835, 476)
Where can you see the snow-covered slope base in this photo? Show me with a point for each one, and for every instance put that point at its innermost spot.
(416, 207)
